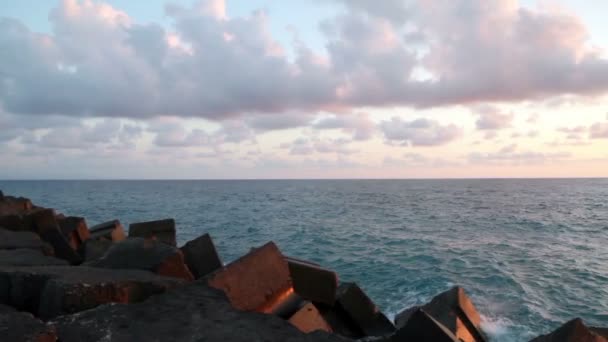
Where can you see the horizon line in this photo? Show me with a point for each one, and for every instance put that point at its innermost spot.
(294, 179)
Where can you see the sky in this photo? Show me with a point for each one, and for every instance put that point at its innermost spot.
(246, 89)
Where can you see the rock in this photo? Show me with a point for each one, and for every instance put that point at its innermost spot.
(22, 326)
(362, 310)
(312, 282)
(93, 249)
(573, 331)
(422, 327)
(201, 256)
(309, 319)
(23, 240)
(75, 230)
(256, 281)
(111, 230)
(13, 222)
(1, 196)
(61, 246)
(148, 255)
(28, 257)
(194, 312)
(14, 205)
(161, 230)
(454, 310)
(43, 220)
(51, 291)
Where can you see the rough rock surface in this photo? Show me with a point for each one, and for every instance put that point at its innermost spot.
(93, 249)
(362, 310)
(573, 331)
(23, 240)
(75, 230)
(28, 257)
(54, 290)
(110, 230)
(161, 230)
(23, 327)
(143, 254)
(313, 282)
(422, 327)
(194, 312)
(201, 256)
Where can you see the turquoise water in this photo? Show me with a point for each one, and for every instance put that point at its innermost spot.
(531, 253)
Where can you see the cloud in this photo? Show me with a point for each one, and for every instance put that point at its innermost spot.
(599, 130)
(309, 146)
(419, 132)
(509, 155)
(491, 118)
(265, 123)
(360, 126)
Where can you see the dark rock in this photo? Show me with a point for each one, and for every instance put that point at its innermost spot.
(43, 220)
(600, 331)
(422, 327)
(161, 230)
(56, 290)
(201, 256)
(22, 326)
(23, 240)
(111, 230)
(256, 281)
(362, 310)
(142, 254)
(28, 257)
(93, 249)
(1, 196)
(454, 310)
(194, 312)
(61, 246)
(14, 205)
(75, 230)
(573, 331)
(14, 222)
(312, 282)
(309, 319)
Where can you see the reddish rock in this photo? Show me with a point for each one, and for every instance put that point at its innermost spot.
(110, 230)
(574, 331)
(24, 327)
(313, 282)
(256, 280)
(14, 205)
(201, 256)
(75, 230)
(309, 319)
(61, 246)
(362, 310)
(161, 230)
(422, 327)
(142, 254)
(454, 310)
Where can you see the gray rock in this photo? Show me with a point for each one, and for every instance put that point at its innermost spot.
(363, 311)
(93, 249)
(28, 257)
(55, 290)
(201, 256)
(110, 230)
(23, 240)
(573, 331)
(142, 254)
(75, 230)
(161, 230)
(422, 327)
(22, 326)
(312, 282)
(194, 312)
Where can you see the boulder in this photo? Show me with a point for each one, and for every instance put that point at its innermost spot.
(22, 326)
(313, 282)
(1, 196)
(14, 205)
(143, 254)
(51, 291)
(45, 224)
(362, 310)
(193, 312)
(161, 230)
(422, 327)
(23, 240)
(110, 230)
(309, 319)
(454, 310)
(201, 256)
(256, 281)
(93, 249)
(75, 230)
(574, 331)
(14, 222)
(28, 257)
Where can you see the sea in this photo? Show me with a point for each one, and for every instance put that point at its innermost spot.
(531, 253)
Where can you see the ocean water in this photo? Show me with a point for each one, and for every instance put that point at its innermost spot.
(532, 254)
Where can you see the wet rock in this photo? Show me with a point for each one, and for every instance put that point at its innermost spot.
(313, 282)
(574, 331)
(309, 319)
(110, 230)
(256, 281)
(28, 257)
(93, 249)
(75, 230)
(143, 254)
(201, 256)
(362, 310)
(194, 312)
(23, 240)
(422, 327)
(22, 326)
(56, 290)
(454, 310)
(161, 230)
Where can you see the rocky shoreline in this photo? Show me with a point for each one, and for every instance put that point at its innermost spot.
(61, 280)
